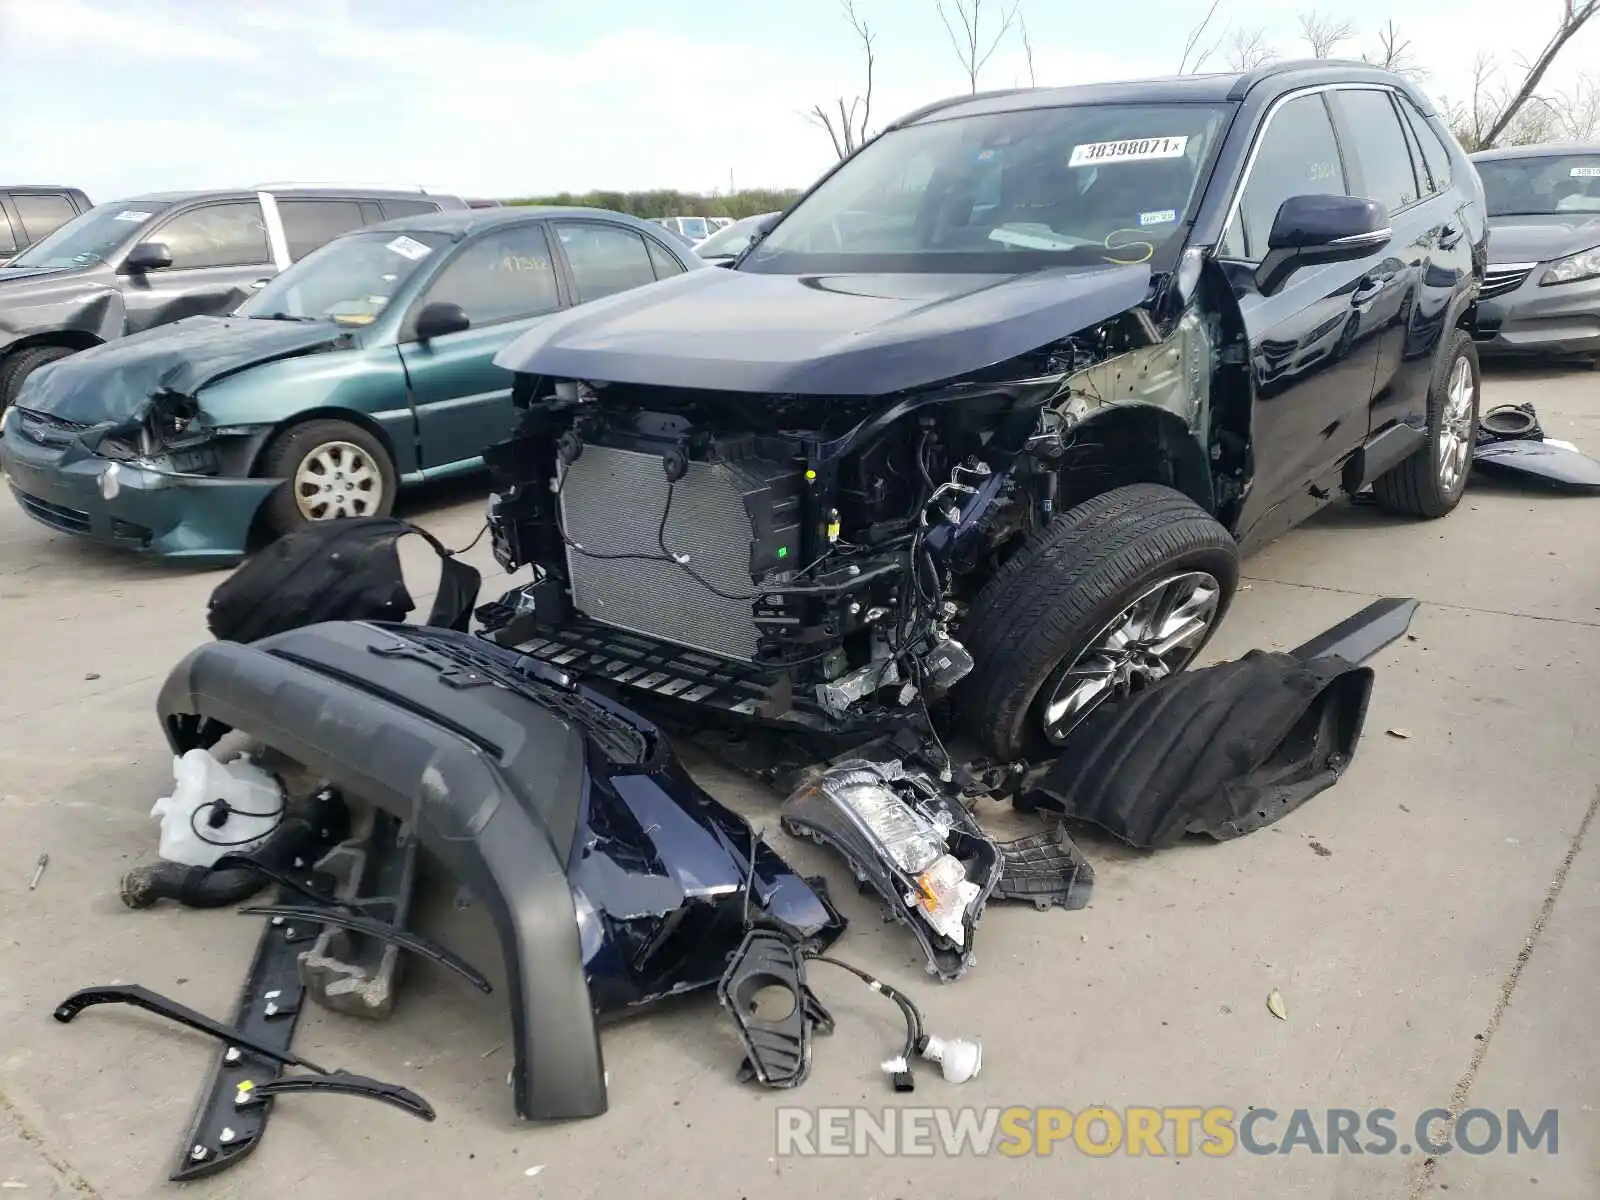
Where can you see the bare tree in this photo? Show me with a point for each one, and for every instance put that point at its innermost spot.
(1194, 57)
(1323, 34)
(1027, 52)
(1248, 49)
(847, 121)
(1576, 110)
(967, 35)
(1394, 52)
(1575, 17)
(1497, 114)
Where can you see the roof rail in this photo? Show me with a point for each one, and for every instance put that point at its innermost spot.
(1249, 79)
(284, 184)
(917, 114)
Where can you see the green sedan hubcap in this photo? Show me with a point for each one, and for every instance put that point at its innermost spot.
(337, 479)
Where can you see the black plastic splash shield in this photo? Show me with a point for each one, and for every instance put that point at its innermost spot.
(1556, 467)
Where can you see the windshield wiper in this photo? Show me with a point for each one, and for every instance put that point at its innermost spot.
(280, 316)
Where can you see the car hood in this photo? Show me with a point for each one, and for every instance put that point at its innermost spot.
(821, 335)
(118, 381)
(1538, 239)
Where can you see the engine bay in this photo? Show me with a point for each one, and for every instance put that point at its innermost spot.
(808, 559)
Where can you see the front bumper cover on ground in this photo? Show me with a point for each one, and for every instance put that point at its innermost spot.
(611, 877)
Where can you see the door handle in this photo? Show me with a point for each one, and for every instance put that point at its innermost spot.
(1449, 237)
(1368, 287)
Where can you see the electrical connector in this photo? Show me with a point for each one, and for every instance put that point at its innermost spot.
(899, 1071)
(959, 1060)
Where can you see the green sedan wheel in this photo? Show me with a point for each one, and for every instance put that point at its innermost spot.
(331, 470)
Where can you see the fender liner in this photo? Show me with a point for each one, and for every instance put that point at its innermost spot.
(493, 808)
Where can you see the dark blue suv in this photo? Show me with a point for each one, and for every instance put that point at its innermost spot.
(993, 409)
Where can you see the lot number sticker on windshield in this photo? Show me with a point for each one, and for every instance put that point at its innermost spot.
(409, 248)
(133, 215)
(1092, 154)
(1586, 172)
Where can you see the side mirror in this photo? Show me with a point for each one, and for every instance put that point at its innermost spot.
(147, 256)
(259, 284)
(766, 227)
(1311, 230)
(439, 319)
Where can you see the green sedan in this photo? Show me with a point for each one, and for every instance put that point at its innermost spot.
(365, 367)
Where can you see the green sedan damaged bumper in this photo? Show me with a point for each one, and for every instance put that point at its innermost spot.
(201, 519)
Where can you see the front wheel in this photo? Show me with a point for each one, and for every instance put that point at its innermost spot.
(1113, 596)
(1432, 481)
(331, 469)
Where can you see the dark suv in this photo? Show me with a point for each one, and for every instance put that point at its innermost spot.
(973, 436)
(126, 266)
(29, 212)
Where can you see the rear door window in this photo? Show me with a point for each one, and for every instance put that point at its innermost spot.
(605, 259)
(1381, 148)
(1298, 155)
(42, 215)
(663, 262)
(1434, 155)
(408, 208)
(308, 224)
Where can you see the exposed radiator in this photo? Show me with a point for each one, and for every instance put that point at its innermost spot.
(612, 502)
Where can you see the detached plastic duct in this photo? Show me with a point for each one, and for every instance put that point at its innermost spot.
(920, 850)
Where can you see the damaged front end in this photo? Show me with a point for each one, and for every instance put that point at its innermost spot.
(123, 445)
(807, 559)
(612, 879)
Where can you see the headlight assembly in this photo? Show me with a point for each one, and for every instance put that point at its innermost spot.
(1583, 265)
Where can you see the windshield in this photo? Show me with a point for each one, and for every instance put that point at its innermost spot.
(1077, 186)
(91, 237)
(727, 242)
(350, 280)
(1543, 186)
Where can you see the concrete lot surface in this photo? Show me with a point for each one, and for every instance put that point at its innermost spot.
(1429, 923)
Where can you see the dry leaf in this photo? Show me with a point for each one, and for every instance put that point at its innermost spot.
(1275, 1005)
(1400, 733)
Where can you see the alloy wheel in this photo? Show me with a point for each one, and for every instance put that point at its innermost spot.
(1152, 638)
(1456, 434)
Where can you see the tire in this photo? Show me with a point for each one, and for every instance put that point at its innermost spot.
(1422, 486)
(364, 487)
(1047, 609)
(23, 363)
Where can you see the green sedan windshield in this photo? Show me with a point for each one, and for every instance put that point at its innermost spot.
(350, 280)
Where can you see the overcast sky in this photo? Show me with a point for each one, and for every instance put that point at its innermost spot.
(512, 97)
